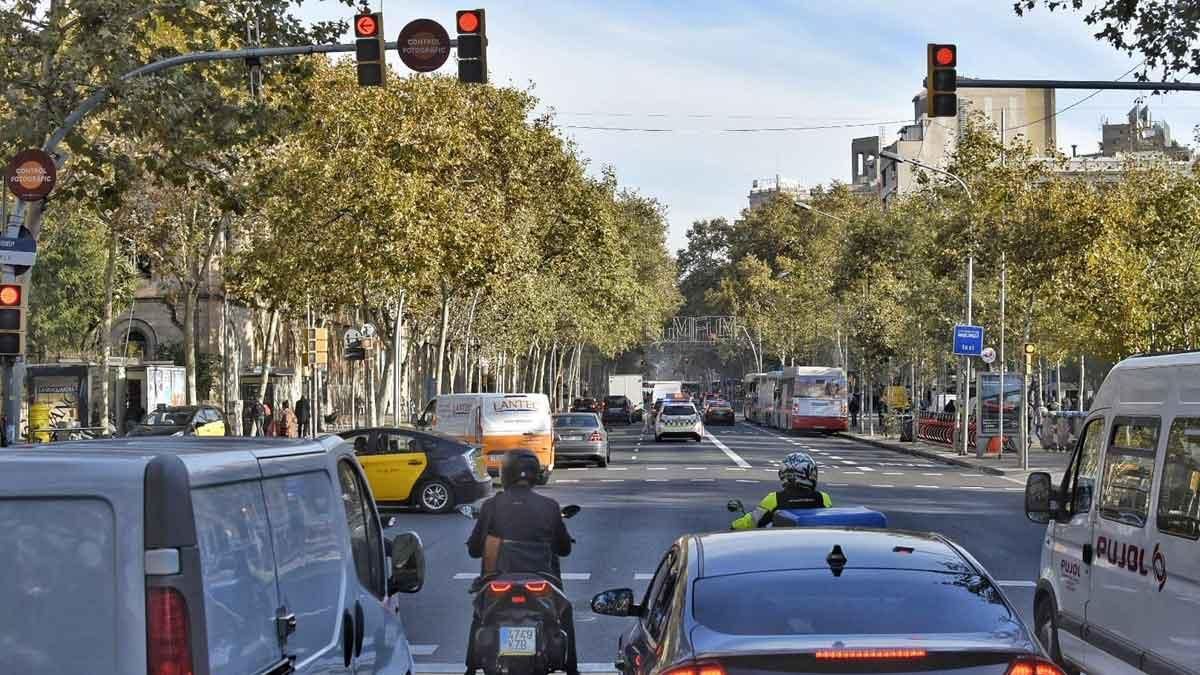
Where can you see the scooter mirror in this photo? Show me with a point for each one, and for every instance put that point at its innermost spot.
(571, 510)
(468, 511)
(735, 506)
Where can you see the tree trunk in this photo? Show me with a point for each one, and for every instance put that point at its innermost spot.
(190, 297)
(443, 329)
(110, 269)
(267, 350)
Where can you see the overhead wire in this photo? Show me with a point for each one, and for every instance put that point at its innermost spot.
(742, 130)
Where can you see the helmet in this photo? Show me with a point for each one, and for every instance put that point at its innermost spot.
(518, 466)
(798, 469)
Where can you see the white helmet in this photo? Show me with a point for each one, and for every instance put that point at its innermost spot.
(798, 469)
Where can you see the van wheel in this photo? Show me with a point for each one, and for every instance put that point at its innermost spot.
(1047, 630)
(435, 496)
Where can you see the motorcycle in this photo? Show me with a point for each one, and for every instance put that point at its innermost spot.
(521, 619)
(834, 516)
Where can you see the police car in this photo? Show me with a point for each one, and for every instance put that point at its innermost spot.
(1119, 587)
(679, 419)
(821, 601)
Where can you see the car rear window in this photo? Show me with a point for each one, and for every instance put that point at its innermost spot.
(679, 410)
(583, 421)
(616, 400)
(859, 602)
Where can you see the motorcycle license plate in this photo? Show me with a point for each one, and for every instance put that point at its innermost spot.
(518, 641)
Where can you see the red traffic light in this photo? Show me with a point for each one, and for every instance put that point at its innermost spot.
(10, 295)
(468, 22)
(944, 55)
(366, 26)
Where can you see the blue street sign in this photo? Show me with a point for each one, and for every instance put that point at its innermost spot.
(968, 340)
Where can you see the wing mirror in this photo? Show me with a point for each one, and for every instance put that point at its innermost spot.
(735, 506)
(571, 510)
(386, 522)
(408, 564)
(469, 511)
(1041, 504)
(617, 602)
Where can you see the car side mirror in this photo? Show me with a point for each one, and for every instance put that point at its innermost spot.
(1040, 505)
(408, 564)
(735, 506)
(469, 511)
(387, 521)
(616, 602)
(571, 510)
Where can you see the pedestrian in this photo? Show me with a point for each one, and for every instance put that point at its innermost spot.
(950, 408)
(303, 414)
(258, 417)
(289, 425)
(268, 420)
(854, 408)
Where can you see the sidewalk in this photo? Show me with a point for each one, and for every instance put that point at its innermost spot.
(1007, 465)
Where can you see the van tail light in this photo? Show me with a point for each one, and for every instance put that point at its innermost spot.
(872, 655)
(500, 587)
(595, 437)
(1028, 665)
(168, 636)
(537, 586)
(697, 669)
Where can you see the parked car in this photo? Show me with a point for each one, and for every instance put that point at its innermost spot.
(679, 420)
(717, 411)
(618, 409)
(430, 471)
(179, 555)
(192, 420)
(812, 600)
(1118, 589)
(580, 436)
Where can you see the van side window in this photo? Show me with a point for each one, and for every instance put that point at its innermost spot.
(1179, 493)
(1087, 468)
(1129, 470)
(363, 524)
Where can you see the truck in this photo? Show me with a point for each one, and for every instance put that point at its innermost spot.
(629, 386)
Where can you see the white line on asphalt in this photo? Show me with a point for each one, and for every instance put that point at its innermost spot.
(838, 484)
(931, 487)
(423, 650)
(864, 468)
(846, 461)
(1020, 489)
(734, 468)
(973, 487)
(853, 473)
(881, 486)
(656, 468)
(578, 468)
(465, 576)
(704, 480)
(737, 459)
(625, 468)
(643, 576)
(656, 480)
(1017, 584)
(565, 480)
(971, 475)
(576, 576)
(696, 468)
(836, 457)
(937, 474)
(612, 480)
(744, 480)
(893, 473)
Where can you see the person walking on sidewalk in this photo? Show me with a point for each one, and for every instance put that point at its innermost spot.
(303, 414)
(854, 407)
(289, 425)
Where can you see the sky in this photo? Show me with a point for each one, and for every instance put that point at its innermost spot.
(693, 71)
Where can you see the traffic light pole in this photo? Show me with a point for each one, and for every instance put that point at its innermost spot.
(970, 83)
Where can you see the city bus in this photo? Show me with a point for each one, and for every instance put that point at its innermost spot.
(809, 398)
(760, 402)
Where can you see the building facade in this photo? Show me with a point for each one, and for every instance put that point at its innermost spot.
(763, 190)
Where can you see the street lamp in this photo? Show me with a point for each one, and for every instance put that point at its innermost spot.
(970, 267)
(809, 207)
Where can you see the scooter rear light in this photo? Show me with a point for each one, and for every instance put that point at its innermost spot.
(872, 655)
(518, 599)
(1030, 665)
(500, 587)
(537, 586)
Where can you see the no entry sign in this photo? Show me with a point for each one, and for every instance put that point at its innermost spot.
(31, 175)
(423, 45)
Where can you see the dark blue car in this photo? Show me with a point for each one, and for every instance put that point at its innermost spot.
(821, 601)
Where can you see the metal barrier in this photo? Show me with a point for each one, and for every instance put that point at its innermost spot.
(1060, 429)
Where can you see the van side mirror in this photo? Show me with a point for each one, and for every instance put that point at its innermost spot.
(408, 564)
(1040, 503)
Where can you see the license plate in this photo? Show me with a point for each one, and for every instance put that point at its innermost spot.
(518, 640)
(572, 438)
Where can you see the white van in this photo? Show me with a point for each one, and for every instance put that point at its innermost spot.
(1119, 586)
(496, 422)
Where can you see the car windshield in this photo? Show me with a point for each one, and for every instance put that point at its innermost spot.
(678, 410)
(576, 421)
(173, 418)
(859, 602)
(718, 404)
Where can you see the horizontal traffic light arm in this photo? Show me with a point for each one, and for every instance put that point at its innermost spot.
(969, 83)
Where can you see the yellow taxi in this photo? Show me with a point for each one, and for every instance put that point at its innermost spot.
(429, 471)
(192, 420)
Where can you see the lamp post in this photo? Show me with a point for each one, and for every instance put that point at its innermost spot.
(970, 271)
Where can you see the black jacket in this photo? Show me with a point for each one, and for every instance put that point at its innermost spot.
(520, 514)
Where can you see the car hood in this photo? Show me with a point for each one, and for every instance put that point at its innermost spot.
(156, 430)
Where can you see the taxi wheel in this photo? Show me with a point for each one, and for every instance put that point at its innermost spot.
(435, 496)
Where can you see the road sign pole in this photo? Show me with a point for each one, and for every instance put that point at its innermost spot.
(966, 411)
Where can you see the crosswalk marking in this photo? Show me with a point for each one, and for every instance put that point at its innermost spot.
(423, 650)
(864, 468)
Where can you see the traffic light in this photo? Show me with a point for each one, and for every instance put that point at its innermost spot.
(12, 319)
(472, 46)
(370, 49)
(941, 82)
(318, 347)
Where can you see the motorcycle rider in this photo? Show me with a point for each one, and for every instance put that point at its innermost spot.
(798, 474)
(521, 515)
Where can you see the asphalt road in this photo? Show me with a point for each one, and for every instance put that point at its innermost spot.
(654, 492)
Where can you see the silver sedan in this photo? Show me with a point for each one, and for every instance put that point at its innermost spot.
(580, 436)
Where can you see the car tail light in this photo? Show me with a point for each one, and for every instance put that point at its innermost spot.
(870, 654)
(595, 437)
(1029, 665)
(500, 587)
(697, 669)
(537, 586)
(168, 637)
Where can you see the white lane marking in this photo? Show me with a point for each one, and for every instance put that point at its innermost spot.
(1011, 583)
(971, 475)
(864, 468)
(838, 484)
(973, 487)
(704, 480)
(576, 576)
(565, 480)
(656, 480)
(465, 576)
(834, 457)
(643, 576)
(656, 468)
(882, 486)
(893, 473)
(734, 468)
(635, 458)
(1020, 489)
(625, 468)
(931, 487)
(612, 480)
(936, 474)
(737, 459)
(422, 650)
(846, 461)
(744, 480)
(696, 468)
(578, 468)
(853, 473)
